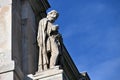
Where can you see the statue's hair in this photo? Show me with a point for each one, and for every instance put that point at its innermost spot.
(53, 11)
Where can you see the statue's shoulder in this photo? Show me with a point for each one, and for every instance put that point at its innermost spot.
(44, 20)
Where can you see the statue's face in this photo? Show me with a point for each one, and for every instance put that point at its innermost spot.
(52, 16)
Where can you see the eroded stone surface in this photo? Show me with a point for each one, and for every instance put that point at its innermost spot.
(49, 41)
(6, 64)
(5, 28)
(5, 2)
(6, 76)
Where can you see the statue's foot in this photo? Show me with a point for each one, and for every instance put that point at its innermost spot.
(45, 67)
(40, 69)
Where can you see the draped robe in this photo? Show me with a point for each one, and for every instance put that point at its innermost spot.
(41, 39)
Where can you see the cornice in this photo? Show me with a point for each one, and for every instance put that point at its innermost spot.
(68, 63)
(71, 68)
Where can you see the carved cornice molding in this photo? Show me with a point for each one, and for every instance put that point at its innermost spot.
(71, 69)
(69, 66)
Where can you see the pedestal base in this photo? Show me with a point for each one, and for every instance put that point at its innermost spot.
(51, 74)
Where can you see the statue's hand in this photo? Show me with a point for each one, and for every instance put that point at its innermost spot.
(59, 37)
(55, 27)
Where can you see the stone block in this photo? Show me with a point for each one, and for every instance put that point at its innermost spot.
(6, 63)
(51, 74)
(5, 28)
(6, 76)
(6, 70)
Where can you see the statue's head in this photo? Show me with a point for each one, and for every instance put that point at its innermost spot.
(52, 15)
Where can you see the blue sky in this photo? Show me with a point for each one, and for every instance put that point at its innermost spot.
(91, 34)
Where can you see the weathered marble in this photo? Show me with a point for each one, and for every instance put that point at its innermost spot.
(6, 76)
(6, 64)
(5, 28)
(50, 74)
(49, 41)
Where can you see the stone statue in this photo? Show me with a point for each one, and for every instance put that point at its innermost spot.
(49, 41)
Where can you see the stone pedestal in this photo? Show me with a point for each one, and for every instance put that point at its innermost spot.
(51, 74)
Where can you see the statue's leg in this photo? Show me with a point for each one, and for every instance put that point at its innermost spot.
(45, 59)
(40, 67)
(45, 66)
(54, 53)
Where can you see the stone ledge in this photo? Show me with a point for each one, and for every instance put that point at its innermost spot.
(8, 66)
(53, 72)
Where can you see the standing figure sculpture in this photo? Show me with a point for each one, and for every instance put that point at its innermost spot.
(49, 41)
